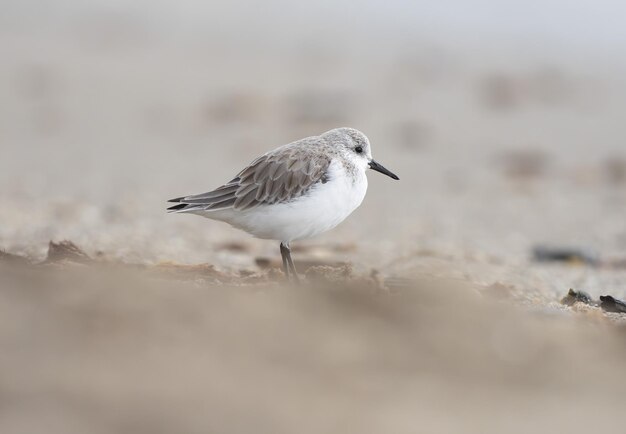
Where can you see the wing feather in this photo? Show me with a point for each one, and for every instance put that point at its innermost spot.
(278, 176)
(223, 204)
(224, 190)
(275, 171)
(245, 201)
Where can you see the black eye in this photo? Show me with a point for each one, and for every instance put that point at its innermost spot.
(358, 149)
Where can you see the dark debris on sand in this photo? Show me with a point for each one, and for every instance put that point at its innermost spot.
(574, 296)
(66, 251)
(570, 255)
(607, 303)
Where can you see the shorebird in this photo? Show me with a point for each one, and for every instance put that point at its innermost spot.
(296, 191)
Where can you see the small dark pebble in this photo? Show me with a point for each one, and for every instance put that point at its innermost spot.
(574, 296)
(265, 263)
(611, 304)
(564, 254)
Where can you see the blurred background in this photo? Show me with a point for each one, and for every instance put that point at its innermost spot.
(504, 121)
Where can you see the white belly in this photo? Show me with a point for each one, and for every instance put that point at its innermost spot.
(323, 208)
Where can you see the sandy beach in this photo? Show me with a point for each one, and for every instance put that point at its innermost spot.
(436, 307)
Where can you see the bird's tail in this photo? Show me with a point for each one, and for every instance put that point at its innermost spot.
(182, 207)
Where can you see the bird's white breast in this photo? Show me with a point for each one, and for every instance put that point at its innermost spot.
(321, 209)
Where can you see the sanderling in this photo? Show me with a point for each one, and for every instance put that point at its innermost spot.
(296, 191)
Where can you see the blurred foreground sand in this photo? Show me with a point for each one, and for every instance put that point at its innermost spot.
(102, 349)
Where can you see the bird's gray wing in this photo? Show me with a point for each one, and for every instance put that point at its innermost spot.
(276, 177)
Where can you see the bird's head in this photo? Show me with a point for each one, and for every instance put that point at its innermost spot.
(355, 146)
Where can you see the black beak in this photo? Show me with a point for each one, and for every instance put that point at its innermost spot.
(379, 168)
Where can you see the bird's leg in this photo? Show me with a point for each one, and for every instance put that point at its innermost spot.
(294, 272)
(284, 252)
(288, 266)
